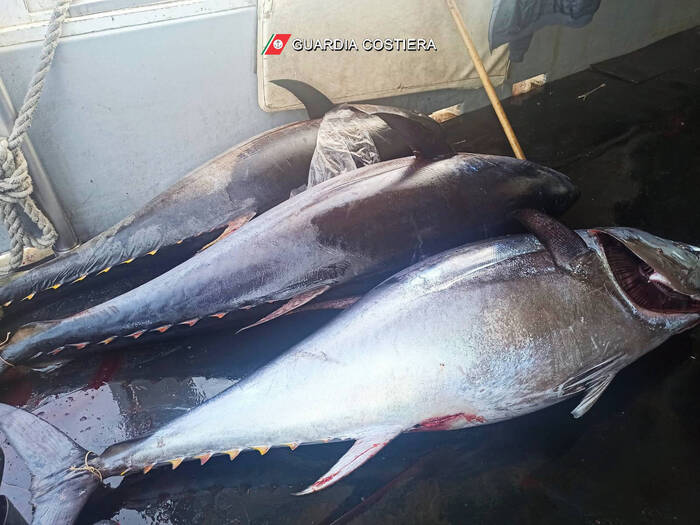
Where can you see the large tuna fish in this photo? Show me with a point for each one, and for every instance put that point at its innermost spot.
(381, 217)
(223, 194)
(476, 335)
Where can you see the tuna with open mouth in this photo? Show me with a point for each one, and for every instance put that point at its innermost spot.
(223, 194)
(371, 221)
(476, 335)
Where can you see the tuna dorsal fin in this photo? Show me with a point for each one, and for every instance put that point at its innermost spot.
(593, 393)
(362, 450)
(316, 103)
(564, 244)
(424, 136)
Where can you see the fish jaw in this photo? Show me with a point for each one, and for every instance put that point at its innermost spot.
(668, 270)
(677, 264)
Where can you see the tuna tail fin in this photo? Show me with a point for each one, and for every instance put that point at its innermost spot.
(316, 103)
(9, 515)
(424, 136)
(21, 344)
(58, 492)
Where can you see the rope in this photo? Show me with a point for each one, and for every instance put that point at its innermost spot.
(15, 182)
(88, 468)
(7, 338)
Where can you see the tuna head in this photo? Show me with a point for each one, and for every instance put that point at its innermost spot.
(531, 185)
(558, 194)
(659, 278)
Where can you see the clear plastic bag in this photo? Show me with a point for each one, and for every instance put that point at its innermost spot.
(343, 144)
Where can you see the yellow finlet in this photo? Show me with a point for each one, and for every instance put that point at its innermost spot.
(180, 241)
(161, 329)
(136, 334)
(232, 453)
(79, 346)
(203, 458)
(104, 270)
(125, 471)
(190, 322)
(219, 315)
(29, 297)
(108, 340)
(128, 261)
(148, 468)
(292, 445)
(8, 303)
(176, 462)
(262, 450)
(56, 286)
(153, 252)
(80, 278)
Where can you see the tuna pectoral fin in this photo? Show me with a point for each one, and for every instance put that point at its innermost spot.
(424, 136)
(565, 246)
(57, 492)
(594, 381)
(593, 393)
(292, 304)
(362, 450)
(230, 228)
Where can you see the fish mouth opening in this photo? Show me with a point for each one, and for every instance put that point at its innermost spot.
(641, 283)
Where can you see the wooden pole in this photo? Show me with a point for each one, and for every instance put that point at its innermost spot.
(485, 80)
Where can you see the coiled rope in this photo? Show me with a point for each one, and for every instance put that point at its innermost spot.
(15, 183)
(87, 467)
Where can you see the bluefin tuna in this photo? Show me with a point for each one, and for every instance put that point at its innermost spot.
(221, 195)
(366, 222)
(476, 335)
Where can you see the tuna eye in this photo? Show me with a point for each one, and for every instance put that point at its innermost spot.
(633, 276)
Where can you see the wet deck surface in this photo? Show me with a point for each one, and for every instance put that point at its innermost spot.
(632, 148)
